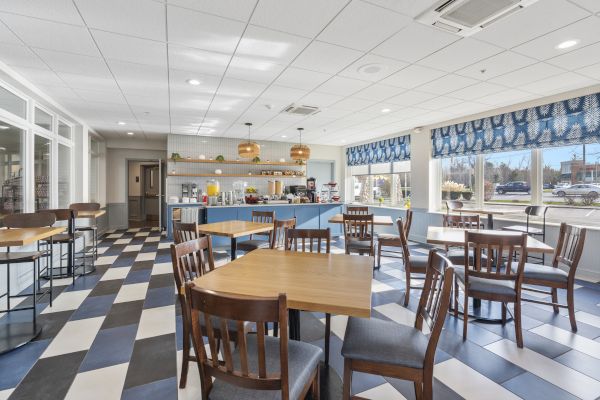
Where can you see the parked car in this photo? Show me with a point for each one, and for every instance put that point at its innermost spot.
(549, 186)
(513, 187)
(580, 189)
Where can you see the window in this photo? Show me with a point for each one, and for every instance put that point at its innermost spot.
(94, 157)
(458, 179)
(401, 181)
(11, 168)
(64, 176)
(64, 130)
(43, 119)
(41, 165)
(507, 177)
(13, 103)
(384, 183)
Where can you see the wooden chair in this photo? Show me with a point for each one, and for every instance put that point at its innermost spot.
(264, 239)
(413, 264)
(357, 210)
(568, 252)
(386, 348)
(278, 236)
(260, 366)
(358, 234)
(462, 221)
(496, 278)
(314, 237)
(392, 240)
(92, 227)
(186, 231)
(454, 205)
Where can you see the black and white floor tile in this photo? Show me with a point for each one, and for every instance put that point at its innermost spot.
(116, 334)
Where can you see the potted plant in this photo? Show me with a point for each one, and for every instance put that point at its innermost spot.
(220, 158)
(452, 190)
(381, 201)
(175, 157)
(467, 195)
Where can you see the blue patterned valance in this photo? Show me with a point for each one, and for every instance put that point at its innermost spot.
(565, 122)
(388, 150)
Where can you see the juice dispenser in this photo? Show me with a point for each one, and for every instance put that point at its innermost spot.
(212, 190)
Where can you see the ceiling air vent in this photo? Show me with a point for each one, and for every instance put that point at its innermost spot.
(465, 17)
(301, 110)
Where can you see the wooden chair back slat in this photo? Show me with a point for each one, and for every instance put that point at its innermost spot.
(224, 308)
(501, 251)
(357, 210)
(358, 228)
(315, 237)
(569, 248)
(408, 222)
(403, 241)
(461, 221)
(280, 227)
(264, 217)
(453, 205)
(192, 259)
(29, 220)
(184, 232)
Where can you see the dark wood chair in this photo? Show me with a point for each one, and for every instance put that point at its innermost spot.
(392, 240)
(261, 366)
(358, 234)
(258, 240)
(496, 278)
(532, 211)
(413, 264)
(186, 231)
(457, 206)
(569, 248)
(278, 236)
(386, 348)
(357, 210)
(68, 238)
(311, 241)
(462, 221)
(91, 227)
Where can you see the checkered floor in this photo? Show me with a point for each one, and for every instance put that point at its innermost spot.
(116, 334)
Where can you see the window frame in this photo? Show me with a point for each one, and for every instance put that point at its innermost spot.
(393, 200)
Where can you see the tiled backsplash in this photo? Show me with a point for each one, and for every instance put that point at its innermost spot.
(194, 146)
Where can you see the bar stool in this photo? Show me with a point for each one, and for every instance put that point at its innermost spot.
(69, 238)
(92, 227)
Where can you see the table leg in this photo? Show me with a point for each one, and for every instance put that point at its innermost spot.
(294, 324)
(233, 248)
(490, 221)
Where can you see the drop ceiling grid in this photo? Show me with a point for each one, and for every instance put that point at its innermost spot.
(256, 87)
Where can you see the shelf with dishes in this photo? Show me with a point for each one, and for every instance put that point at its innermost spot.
(236, 162)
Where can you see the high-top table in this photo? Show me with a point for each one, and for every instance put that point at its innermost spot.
(316, 282)
(377, 219)
(234, 229)
(16, 334)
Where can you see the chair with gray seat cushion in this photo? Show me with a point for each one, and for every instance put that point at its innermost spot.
(413, 264)
(258, 240)
(186, 231)
(390, 240)
(483, 280)
(358, 234)
(386, 348)
(567, 254)
(461, 221)
(260, 367)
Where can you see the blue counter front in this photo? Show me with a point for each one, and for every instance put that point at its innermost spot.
(308, 216)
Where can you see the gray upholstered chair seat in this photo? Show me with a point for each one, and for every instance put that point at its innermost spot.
(385, 342)
(543, 272)
(457, 256)
(419, 261)
(302, 361)
(363, 245)
(388, 236)
(491, 286)
(253, 244)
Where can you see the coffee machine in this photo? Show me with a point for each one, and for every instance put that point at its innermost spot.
(311, 189)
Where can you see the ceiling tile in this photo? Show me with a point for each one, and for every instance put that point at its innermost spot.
(281, 95)
(579, 58)
(342, 86)
(130, 49)
(446, 84)
(203, 31)
(77, 81)
(320, 100)
(59, 93)
(297, 17)
(103, 96)
(39, 76)
(412, 76)
(499, 64)
(141, 18)
(590, 5)
(439, 103)
(533, 21)
(139, 79)
(403, 46)
(20, 56)
(372, 68)
(240, 89)
(301, 78)
(593, 71)
(74, 63)
(409, 112)
(57, 10)
(411, 97)
(198, 61)
(271, 45)
(378, 92)
(411, 8)
(352, 104)
(559, 83)
(59, 37)
(460, 54)
(585, 31)
(476, 91)
(526, 75)
(7, 37)
(363, 26)
(234, 9)
(253, 69)
(510, 96)
(324, 57)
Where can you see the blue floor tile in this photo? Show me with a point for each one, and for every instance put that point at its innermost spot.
(111, 347)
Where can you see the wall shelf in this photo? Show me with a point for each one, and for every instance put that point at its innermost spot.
(237, 176)
(233, 162)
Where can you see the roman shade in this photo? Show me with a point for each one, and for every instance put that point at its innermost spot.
(387, 150)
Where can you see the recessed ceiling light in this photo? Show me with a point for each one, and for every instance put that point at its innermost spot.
(343, 140)
(193, 82)
(130, 133)
(370, 69)
(4, 127)
(283, 136)
(121, 123)
(385, 110)
(566, 44)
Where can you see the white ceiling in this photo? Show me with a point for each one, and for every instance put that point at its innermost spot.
(128, 60)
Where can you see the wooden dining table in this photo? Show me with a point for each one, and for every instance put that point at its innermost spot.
(90, 213)
(377, 219)
(17, 334)
(316, 282)
(233, 230)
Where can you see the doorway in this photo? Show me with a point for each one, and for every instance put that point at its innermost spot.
(144, 191)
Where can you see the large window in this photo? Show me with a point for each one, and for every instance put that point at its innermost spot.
(64, 130)
(64, 176)
(94, 159)
(507, 177)
(458, 179)
(384, 183)
(11, 168)
(41, 159)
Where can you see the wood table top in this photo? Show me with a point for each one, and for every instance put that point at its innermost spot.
(90, 214)
(493, 211)
(234, 229)
(328, 283)
(25, 236)
(377, 219)
(456, 237)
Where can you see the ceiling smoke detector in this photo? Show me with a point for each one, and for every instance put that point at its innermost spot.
(301, 110)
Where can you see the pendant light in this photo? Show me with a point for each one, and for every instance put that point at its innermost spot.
(248, 149)
(300, 152)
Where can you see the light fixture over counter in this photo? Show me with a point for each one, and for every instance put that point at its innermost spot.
(300, 152)
(248, 149)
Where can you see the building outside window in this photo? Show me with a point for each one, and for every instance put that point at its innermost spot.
(11, 168)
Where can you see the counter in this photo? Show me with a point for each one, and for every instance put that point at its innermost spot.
(308, 215)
